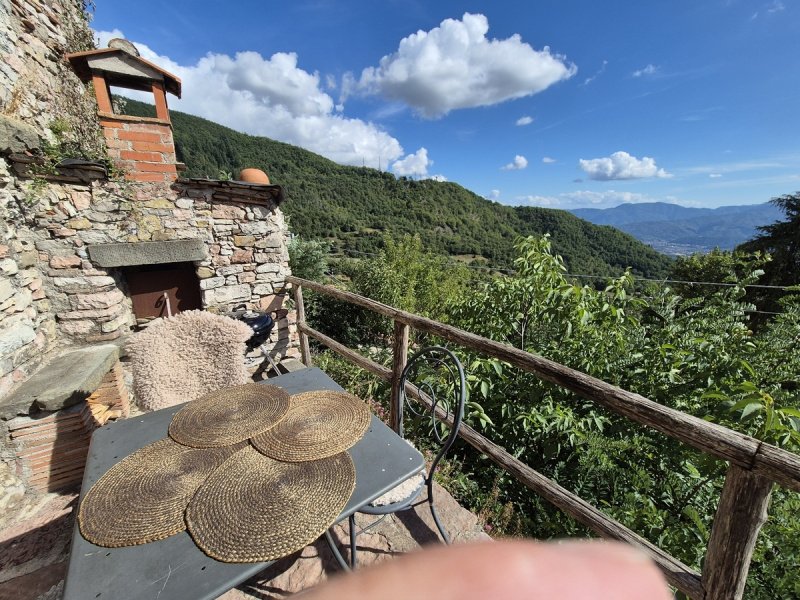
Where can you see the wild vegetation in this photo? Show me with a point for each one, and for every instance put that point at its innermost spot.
(695, 349)
(354, 208)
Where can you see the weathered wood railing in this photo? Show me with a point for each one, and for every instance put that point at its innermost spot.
(753, 465)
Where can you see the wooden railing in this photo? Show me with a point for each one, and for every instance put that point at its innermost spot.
(753, 466)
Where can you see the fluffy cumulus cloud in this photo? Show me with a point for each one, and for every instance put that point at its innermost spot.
(586, 198)
(621, 165)
(547, 160)
(519, 163)
(456, 66)
(413, 165)
(273, 97)
(526, 120)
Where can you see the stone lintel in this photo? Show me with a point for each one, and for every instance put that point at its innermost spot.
(147, 253)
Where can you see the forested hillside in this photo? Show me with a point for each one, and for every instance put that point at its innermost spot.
(355, 207)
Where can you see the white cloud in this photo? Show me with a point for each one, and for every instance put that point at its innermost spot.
(275, 82)
(621, 165)
(775, 7)
(715, 175)
(493, 195)
(648, 71)
(599, 72)
(586, 198)
(739, 167)
(526, 120)
(456, 66)
(533, 200)
(519, 163)
(413, 164)
(439, 178)
(547, 160)
(272, 97)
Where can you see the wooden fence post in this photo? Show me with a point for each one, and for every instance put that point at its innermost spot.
(399, 359)
(305, 352)
(741, 512)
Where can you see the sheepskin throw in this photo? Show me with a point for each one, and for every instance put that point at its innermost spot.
(181, 358)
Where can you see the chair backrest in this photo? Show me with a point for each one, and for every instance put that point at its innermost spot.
(436, 374)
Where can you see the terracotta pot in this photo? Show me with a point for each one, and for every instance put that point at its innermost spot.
(253, 176)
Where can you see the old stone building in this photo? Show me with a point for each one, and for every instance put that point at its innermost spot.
(86, 257)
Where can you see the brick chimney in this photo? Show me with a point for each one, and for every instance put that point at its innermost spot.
(142, 147)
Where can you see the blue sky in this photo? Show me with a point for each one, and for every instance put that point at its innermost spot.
(561, 104)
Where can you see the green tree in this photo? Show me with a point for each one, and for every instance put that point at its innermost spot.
(717, 266)
(781, 241)
(697, 355)
(404, 275)
(308, 259)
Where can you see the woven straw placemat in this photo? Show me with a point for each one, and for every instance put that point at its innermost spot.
(229, 415)
(255, 509)
(318, 424)
(143, 497)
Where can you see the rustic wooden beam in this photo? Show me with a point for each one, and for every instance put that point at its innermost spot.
(305, 351)
(162, 112)
(740, 515)
(399, 359)
(678, 574)
(351, 355)
(747, 452)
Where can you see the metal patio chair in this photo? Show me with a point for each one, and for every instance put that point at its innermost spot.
(436, 373)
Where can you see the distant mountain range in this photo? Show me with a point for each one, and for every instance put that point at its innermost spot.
(677, 230)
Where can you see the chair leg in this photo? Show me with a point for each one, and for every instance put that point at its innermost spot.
(335, 551)
(436, 520)
(352, 522)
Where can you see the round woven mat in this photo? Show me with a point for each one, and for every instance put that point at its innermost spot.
(143, 497)
(229, 415)
(255, 509)
(318, 424)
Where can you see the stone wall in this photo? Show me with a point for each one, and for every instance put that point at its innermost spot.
(27, 321)
(246, 258)
(37, 86)
(37, 89)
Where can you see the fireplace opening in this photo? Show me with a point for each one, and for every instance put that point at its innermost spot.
(162, 289)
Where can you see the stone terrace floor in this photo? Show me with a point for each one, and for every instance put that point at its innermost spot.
(35, 540)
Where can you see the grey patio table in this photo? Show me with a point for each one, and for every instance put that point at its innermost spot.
(175, 567)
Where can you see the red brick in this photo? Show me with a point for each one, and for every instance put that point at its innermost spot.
(111, 124)
(155, 167)
(154, 147)
(149, 127)
(139, 136)
(145, 176)
(146, 156)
